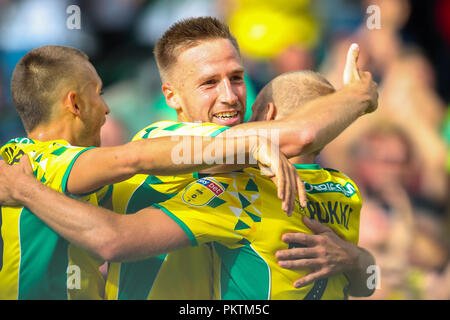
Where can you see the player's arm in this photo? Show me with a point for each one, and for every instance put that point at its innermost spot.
(316, 123)
(111, 236)
(160, 156)
(177, 155)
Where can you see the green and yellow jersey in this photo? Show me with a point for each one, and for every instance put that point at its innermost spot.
(182, 274)
(35, 262)
(239, 214)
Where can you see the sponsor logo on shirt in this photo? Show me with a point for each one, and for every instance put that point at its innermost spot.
(348, 190)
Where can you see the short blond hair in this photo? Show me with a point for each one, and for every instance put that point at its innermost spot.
(291, 90)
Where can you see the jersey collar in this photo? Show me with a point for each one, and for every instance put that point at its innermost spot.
(311, 166)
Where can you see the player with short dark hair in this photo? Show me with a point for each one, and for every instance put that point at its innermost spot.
(37, 78)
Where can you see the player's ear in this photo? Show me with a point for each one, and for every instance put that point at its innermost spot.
(72, 104)
(271, 111)
(172, 98)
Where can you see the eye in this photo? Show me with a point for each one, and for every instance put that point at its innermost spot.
(209, 82)
(237, 78)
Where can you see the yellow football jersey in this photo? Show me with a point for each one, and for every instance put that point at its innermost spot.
(241, 216)
(36, 263)
(161, 277)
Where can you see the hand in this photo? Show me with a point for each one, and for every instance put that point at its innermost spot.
(274, 164)
(352, 76)
(11, 178)
(325, 253)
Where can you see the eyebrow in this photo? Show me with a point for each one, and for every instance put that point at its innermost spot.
(204, 78)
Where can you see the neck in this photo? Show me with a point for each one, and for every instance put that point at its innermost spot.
(181, 117)
(305, 159)
(54, 131)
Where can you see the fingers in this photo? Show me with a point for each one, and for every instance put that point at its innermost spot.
(308, 240)
(271, 160)
(310, 278)
(296, 253)
(314, 263)
(353, 75)
(284, 188)
(301, 191)
(290, 193)
(366, 76)
(284, 179)
(372, 90)
(294, 188)
(281, 184)
(314, 225)
(25, 165)
(351, 72)
(353, 54)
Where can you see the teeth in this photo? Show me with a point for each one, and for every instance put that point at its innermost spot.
(226, 114)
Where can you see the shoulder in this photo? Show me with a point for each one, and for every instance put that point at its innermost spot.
(169, 128)
(145, 132)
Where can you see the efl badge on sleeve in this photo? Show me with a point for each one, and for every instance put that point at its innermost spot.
(201, 192)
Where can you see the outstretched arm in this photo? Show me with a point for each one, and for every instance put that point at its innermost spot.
(111, 236)
(318, 122)
(102, 166)
(177, 155)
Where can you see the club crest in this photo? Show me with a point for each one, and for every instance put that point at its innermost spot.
(201, 192)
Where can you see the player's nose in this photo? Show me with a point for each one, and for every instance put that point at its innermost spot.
(226, 92)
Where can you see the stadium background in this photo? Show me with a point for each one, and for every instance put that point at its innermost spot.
(399, 156)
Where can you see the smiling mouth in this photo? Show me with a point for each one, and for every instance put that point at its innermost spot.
(227, 115)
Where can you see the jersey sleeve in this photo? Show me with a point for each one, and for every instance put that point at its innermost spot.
(51, 161)
(53, 166)
(208, 213)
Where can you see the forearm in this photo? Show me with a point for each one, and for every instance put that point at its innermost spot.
(111, 236)
(178, 155)
(83, 224)
(325, 118)
(159, 156)
(358, 274)
(311, 126)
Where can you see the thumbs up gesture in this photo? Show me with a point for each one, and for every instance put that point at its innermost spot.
(351, 72)
(353, 77)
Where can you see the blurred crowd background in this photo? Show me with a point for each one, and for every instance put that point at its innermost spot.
(398, 156)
